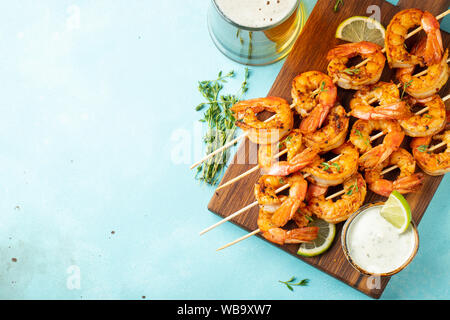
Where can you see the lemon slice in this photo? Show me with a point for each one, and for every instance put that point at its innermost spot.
(324, 239)
(360, 28)
(396, 210)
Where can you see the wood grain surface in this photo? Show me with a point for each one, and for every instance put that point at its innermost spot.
(309, 53)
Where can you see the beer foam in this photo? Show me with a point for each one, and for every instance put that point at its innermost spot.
(256, 13)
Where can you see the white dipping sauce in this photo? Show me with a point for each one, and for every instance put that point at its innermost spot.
(256, 13)
(375, 245)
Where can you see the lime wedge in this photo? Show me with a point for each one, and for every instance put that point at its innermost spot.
(360, 28)
(323, 241)
(396, 210)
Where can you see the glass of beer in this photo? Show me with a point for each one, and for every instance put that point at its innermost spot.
(255, 32)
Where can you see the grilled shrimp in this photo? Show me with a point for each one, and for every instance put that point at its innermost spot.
(298, 156)
(427, 84)
(332, 173)
(333, 132)
(427, 123)
(313, 107)
(406, 182)
(264, 132)
(360, 137)
(355, 78)
(396, 53)
(432, 163)
(387, 96)
(276, 211)
(336, 211)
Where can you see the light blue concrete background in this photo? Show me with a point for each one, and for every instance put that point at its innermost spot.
(93, 95)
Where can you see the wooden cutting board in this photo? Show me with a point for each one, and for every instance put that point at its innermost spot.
(308, 53)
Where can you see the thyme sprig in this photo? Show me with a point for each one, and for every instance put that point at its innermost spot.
(289, 283)
(220, 122)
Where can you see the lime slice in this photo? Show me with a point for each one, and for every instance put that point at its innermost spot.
(323, 241)
(360, 28)
(396, 210)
